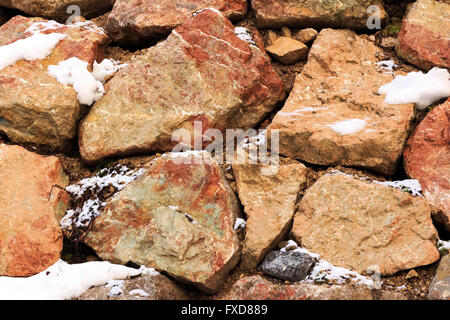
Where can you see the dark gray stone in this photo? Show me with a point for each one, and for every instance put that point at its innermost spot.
(288, 265)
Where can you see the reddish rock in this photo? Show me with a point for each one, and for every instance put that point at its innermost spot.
(34, 107)
(30, 237)
(424, 38)
(135, 21)
(427, 159)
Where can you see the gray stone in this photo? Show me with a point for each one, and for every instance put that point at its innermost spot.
(288, 265)
(440, 287)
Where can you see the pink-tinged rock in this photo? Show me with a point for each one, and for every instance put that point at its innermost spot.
(135, 21)
(424, 38)
(427, 159)
(440, 287)
(177, 217)
(259, 288)
(34, 107)
(30, 236)
(204, 72)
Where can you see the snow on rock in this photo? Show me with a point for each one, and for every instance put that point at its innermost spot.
(441, 244)
(106, 68)
(417, 87)
(409, 185)
(348, 126)
(63, 281)
(240, 224)
(244, 34)
(387, 66)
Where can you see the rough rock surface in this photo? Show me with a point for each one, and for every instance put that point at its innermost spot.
(30, 237)
(426, 158)
(288, 265)
(351, 14)
(202, 73)
(306, 35)
(34, 107)
(259, 288)
(423, 39)
(269, 202)
(136, 21)
(440, 287)
(365, 226)
(176, 217)
(334, 115)
(288, 51)
(57, 9)
(146, 287)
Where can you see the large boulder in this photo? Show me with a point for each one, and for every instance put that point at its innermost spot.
(30, 199)
(334, 115)
(203, 73)
(34, 107)
(426, 158)
(352, 14)
(59, 9)
(440, 286)
(135, 21)
(423, 39)
(176, 217)
(365, 227)
(269, 203)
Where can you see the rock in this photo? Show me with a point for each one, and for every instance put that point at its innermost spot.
(364, 226)
(152, 286)
(40, 110)
(176, 217)
(269, 203)
(209, 75)
(306, 35)
(272, 36)
(286, 32)
(258, 288)
(412, 274)
(30, 236)
(334, 115)
(389, 43)
(135, 21)
(426, 158)
(423, 39)
(288, 51)
(288, 265)
(351, 14)
(440, 287)
(58, 9)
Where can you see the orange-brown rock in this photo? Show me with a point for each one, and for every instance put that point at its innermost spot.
(427, 159)
(306, 35)
(30, 236)
(288, 51)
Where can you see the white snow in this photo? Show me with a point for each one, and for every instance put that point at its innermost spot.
(387, 66)
(244, 34)
(239, 224)
(148, 271)
(411, 185)
(443, 244)
(116, 287)
(106, 68)
(63, 281)
(212, 9)
(139, 292)
(417, 87)
(350, 126)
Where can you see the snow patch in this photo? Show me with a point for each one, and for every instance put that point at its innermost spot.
(239, 224)
(409, 185)
(139, 292)
(348, 126)
(441, 244)
(387, 66)
(106, 68)
(116, 287)
(244, 34)
(212, 9)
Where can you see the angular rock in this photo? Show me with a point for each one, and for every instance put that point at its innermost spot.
(351, 14)
(258, 288)
(334, 115)
(288, 51)
(423, 39)
(136, 21)
(365, 227)
(288, 265)
(176, 217)
(30, 236)
(203, 73)
(146, 287)
(269, 203)
(426, 158)
(440, 287)
(306, 35)
(57, 9)
(34, 107)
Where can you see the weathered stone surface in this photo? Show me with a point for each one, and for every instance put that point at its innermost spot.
(145, 287)
(288, 51)
(30, 237)
(136, 21)
(259, 288)
(440, 287)
(306, 35)
(269, 202)
(334, 115)
(203, 73)
(34, 107)
(351, 14)
(423, 39)
(365, 226)
(288, 265)
(57, 9)
(177, 218)
(426, 158)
